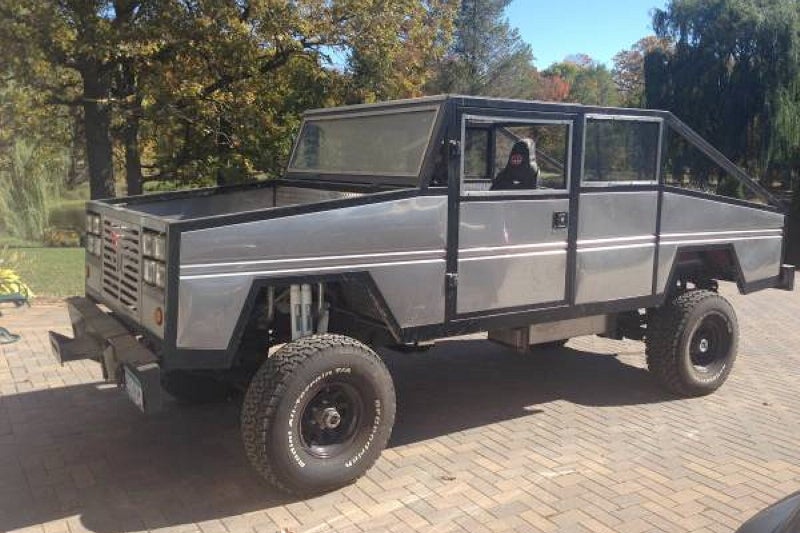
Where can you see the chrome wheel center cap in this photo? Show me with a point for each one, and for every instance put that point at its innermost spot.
(331, 418)
(704, 345)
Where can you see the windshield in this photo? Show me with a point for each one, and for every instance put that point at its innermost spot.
(373, 143)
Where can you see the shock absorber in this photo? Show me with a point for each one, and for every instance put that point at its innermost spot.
(300, 301)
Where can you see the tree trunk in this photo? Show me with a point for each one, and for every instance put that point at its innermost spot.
(128, 91)
(133, 159)
(97, 117)
(75, 153)
(222, 151)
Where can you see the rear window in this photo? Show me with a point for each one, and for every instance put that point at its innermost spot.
(375, 144)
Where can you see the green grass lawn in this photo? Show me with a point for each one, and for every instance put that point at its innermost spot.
(52, 272)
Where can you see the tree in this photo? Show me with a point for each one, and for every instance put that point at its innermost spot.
(215, 87)
(68, 51)
(227, 104)
(589, 82)
(628, 72)
(393, 60)
(733, 75)
(487, 57)
(552, 88)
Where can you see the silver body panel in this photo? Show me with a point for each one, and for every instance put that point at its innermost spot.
(687, 214)
(756, 235)
(606, 215)
(400, 243)
(509, 254)
(616, 245)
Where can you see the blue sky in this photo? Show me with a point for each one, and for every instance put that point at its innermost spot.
(599, 28)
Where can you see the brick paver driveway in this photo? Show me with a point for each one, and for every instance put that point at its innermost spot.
(577, 439)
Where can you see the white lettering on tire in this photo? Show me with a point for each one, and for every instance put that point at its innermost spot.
(375, 425)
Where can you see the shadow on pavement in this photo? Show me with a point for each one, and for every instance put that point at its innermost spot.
(85, 449)
(465, 384)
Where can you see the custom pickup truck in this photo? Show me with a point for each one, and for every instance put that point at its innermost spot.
(402, 222)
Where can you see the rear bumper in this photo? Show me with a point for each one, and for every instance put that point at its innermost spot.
(98, 336)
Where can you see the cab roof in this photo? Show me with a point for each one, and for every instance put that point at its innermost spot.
(489, 102)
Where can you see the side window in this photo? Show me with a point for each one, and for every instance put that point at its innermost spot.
(550, 151)
(476, 153)
(686, 167)
(513, 155)
(621, 150)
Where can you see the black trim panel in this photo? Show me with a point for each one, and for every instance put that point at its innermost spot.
(523, 318)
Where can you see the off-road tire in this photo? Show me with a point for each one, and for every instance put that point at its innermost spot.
(280, 396)
(673, 328)
(195, 388)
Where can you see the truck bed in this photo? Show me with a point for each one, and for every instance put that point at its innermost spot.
(235, 200)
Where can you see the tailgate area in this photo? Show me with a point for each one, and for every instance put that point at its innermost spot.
(125, 361)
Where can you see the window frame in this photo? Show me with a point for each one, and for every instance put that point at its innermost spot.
(500, 119)
(622, 118)
(385, 111)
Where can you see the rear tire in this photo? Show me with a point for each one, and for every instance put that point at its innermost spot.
(692, 342)
(317, 414)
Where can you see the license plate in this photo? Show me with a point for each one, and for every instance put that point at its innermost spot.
(134, 388)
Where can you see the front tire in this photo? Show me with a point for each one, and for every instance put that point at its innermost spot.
(317, 414)
(692, 342)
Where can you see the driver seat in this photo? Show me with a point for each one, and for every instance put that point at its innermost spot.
(521, 170)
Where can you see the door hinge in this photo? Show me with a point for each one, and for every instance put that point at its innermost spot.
(455, 148)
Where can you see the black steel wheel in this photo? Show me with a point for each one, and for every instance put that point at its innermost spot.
(331, 419)
(710, 343)
(692, 342)
(317, 414)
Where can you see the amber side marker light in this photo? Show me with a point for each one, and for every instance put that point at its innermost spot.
(158, 316)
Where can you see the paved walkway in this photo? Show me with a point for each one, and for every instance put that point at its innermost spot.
(573, 440)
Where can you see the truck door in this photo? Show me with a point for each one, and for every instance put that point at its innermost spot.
(511, 254)
(618, 214)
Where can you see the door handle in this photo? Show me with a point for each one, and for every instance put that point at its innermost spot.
(560, 220)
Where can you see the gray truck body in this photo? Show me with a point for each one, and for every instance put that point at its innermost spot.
(432, 254)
